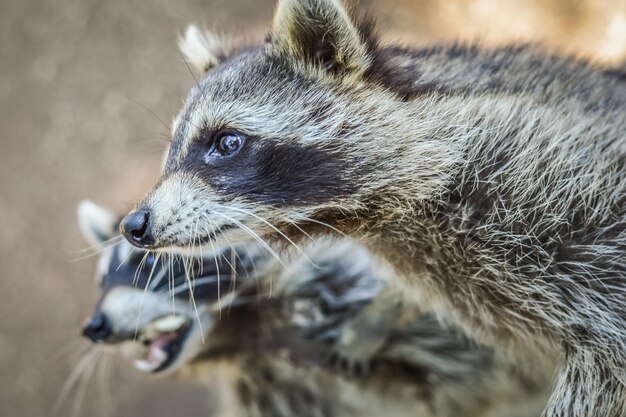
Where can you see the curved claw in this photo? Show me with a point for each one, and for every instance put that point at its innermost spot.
(350, 367)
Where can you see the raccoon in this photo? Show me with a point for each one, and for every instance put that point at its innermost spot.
(493, 181)
(273, 349)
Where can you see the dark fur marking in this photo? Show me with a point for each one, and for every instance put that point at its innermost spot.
(318, 44)
(618, 73)
(273, 173)
(134, 271)
(401, 79)
(468, 70)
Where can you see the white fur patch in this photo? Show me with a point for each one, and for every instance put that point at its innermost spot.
(133, 310)
(96, 223)
(200, 48)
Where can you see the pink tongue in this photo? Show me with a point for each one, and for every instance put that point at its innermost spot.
(163, 340)
(158, 345)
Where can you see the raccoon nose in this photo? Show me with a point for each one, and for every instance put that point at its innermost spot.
(98, 329)
(136, 228)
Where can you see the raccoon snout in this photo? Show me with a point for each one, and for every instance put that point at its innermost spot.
(98, 329)
(136, 228)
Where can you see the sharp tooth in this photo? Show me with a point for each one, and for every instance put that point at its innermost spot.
(144, 365)
(169, 323)
(157, 355)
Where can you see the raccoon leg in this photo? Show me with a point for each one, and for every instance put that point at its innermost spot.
(363, 336)
(587, 387)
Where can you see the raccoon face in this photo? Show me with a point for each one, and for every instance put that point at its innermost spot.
(145, 299)
(277, 137)
(299, 135)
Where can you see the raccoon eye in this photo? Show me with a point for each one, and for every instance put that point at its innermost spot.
(228, 143)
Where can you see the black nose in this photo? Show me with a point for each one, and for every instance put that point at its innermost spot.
(98, 329)
(136, 228)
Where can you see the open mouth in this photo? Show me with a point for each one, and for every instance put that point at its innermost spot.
(163, 339)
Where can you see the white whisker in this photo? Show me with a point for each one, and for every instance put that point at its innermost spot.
(201, 281)
(334, 229)
(99, 246)
(193, 298)
(74, 378)
(253, 235)
(98, 252)
(103, 384)
(126, 258)
(217, 269)
(283, 235)
(84, 383)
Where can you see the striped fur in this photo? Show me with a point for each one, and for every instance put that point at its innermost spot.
(270, 333)
(493, 181)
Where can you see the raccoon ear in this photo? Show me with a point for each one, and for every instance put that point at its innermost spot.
(202, 49)
(322, 32)
(96, 223)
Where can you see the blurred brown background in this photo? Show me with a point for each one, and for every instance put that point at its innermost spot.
(77, 78)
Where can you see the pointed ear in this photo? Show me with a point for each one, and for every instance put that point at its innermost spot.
(202, 49)
(323, 33)
(97, 224)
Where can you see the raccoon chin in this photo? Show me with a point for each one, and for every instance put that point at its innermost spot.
(164, 340)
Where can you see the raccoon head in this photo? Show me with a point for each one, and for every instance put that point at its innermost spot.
(278, 139)
(162, 306)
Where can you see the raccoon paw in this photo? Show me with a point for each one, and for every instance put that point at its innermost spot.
(353, 355)
(350, 367)
(361, 339)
